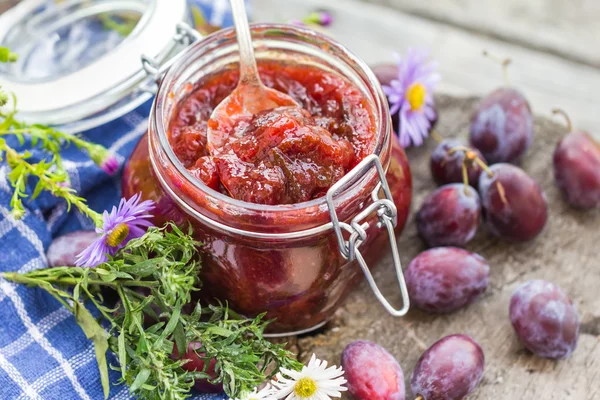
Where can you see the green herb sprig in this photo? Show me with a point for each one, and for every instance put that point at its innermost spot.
(154, 277)
(51, 175)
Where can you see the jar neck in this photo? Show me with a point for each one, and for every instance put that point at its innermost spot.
(209, 206)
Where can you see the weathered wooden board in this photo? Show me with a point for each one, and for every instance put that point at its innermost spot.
(565, 253)
(567, 28)
(374, 32)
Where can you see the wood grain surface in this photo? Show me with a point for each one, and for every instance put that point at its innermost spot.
(565, 253)
(567, 28)
(374, 32)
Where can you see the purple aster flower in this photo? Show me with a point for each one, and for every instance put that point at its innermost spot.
(323, 18)
(110, 165)
(103, 158)
(128, 221)
(411, 96)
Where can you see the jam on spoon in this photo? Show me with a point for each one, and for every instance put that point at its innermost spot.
(250, 96)
(264, 148)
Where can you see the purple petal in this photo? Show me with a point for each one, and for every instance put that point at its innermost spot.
(325, 18)
(94, 254)
(110, 165)
(395, 107)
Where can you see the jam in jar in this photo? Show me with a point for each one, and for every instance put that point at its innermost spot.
(260, 199)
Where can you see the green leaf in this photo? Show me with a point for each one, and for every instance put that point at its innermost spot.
(173, 321)
(143, 269)
(179, 336)
(217, 330)
(140, 379)
(122, 354)
(97, 335)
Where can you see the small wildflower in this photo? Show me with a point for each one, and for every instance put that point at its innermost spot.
(267, 393)
(323, 18)
(110, 165)
(411, 96)
(128, 221)
(320, 18)
(315, 381)
(103, 158)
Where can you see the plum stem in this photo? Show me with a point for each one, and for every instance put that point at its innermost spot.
(436, 136)
(484, 166)
(471, 157)
(465, 175)
(502, 192)
(558, 111)
(419, 397)
(504, 62)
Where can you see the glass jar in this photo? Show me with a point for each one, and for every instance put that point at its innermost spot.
(79, 64)
(295, 262)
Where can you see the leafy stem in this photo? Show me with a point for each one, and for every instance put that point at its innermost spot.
(151, 325)
(50, 173)
(55, 181)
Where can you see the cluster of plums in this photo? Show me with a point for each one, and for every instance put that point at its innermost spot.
(450, 369)
(442, 280)
(480, 180)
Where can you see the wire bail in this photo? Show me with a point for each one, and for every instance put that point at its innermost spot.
(184, 35)
(387, 215)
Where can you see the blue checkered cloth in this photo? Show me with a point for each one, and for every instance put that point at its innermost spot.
(43, 352)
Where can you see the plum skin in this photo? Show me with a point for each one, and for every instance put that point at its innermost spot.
(514, 204)
(449, 370)
(372, 372)
(449, 216)
(577, 169)
(545, 319)
(447, 168)
(502, 126)
(445, 279)
(196, 363)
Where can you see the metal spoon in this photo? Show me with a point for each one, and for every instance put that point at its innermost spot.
(250, 96)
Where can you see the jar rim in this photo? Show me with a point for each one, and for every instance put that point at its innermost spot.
(381, 112)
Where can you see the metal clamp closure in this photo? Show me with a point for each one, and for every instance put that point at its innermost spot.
(387, 216)
(184, 35)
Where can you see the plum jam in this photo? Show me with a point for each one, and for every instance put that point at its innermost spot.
(262, 198)
(281, 156)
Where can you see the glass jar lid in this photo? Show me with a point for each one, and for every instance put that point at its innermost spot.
(79, 60)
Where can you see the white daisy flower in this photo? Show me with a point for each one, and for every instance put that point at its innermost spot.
(267, 393)
(314, 382)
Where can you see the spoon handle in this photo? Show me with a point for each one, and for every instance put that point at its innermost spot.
(248, 69)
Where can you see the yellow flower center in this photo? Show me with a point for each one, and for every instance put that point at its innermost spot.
(117, 235)
(305, 388)
(415, 95)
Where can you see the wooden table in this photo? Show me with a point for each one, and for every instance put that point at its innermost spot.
(565, 253)
(555, 64)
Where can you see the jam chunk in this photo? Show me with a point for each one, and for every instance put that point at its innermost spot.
(282, 157)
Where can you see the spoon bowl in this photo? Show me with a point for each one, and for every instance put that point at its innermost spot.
(250, 96)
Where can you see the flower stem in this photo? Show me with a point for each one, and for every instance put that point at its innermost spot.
(558, 111)
(48, 179)
(70, 281)
(504, 62)
(436, 136)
